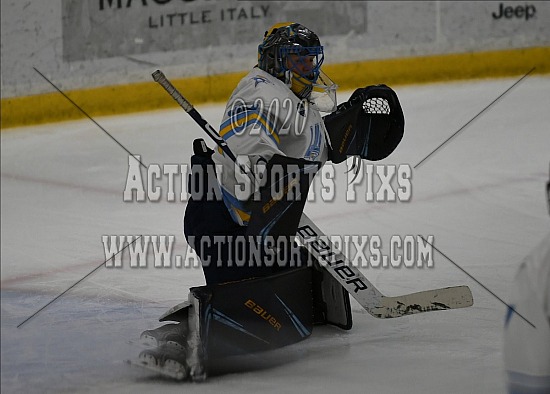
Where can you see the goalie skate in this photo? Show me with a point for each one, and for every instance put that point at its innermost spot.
(164, 360)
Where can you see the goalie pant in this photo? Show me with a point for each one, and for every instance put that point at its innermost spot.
(229, 252)
(256, 315)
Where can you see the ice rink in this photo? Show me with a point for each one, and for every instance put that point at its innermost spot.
(481, 196)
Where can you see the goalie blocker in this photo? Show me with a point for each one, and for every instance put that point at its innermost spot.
(257, 315)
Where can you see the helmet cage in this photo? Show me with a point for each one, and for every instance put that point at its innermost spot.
(304, 62)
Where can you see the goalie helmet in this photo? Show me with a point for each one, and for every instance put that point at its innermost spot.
(293, 53)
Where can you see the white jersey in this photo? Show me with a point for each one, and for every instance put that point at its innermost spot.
(262, 118)
(526, 349)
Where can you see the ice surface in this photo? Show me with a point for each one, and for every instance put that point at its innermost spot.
(481, 196)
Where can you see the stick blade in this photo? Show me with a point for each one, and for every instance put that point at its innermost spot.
(425, 301)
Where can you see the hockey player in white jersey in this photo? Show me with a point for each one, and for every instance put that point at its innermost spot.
(526, 348)
(261, 296)
(272, 115)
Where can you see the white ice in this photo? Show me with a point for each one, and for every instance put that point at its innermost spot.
(481, 196)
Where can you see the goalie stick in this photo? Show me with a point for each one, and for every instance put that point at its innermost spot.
(366, 294)
(334, 261)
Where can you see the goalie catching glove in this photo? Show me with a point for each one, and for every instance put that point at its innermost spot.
(369, 125)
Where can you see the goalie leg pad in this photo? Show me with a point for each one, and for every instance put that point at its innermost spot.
(247, 316)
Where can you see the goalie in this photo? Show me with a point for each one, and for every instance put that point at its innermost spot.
(273, 125)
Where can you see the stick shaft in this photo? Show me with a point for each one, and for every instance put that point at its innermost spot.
(159, 77)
